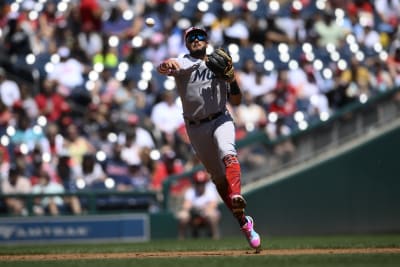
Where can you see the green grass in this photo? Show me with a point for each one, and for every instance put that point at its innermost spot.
(351, 241)
(265, 261)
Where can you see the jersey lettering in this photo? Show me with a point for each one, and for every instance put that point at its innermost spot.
(202, 75)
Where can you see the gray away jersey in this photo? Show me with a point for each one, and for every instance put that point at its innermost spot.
(201, 93)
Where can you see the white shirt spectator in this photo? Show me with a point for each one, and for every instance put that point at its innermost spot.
(50, 188)
(9, 91)
(249, 83)
(96, 175)
(167, 117)
(199, 202)
(68, 72)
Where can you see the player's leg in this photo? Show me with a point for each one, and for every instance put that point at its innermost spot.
(225, 138)
(203, 143)
(210, 150)
(183, 217)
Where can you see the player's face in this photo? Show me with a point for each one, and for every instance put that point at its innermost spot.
(196, 43)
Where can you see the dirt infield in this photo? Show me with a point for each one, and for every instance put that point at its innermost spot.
(183, 254)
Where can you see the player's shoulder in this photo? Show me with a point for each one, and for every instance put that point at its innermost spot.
(188, 62)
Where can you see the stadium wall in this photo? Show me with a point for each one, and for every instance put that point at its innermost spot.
(356, 192)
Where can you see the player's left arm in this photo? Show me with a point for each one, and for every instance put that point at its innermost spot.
(235, 94)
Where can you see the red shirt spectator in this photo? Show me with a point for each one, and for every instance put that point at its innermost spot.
(167, 166)
(50, 103)
(90, 13)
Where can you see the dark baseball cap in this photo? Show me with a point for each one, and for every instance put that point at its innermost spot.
(194, 29)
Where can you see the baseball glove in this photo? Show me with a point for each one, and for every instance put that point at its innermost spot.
(220, 63)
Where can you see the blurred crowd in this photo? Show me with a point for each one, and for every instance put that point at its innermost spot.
(82, 107)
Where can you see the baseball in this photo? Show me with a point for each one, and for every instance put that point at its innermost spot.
(150, 22)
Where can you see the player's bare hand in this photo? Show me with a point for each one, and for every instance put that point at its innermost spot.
(169, 66)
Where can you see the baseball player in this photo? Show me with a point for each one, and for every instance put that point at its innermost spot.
(205, 83)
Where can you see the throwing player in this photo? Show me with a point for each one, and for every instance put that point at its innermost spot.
(204, 88)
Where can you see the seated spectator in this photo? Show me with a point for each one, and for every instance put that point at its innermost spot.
(381, 80)
(356, 79)
(48, 204)
(141, 136)
(166, 117)
(115, 167)
(282, 99)
(139, 179)
(50, 103)
(200, 207)
(5, 117)
(328, 30)
(256, 81)
(90, 171)
(274, 35)
(25, 134)
(285, 148)
(249, 115)
(9, 89)
(16, 183)
(393, 63)
(76, 144)
(68, 73)
(169, 164)
(4, 162)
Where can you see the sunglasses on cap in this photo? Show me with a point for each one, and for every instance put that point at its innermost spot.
(198, 35)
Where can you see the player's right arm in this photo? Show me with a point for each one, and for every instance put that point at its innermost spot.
(168, 66)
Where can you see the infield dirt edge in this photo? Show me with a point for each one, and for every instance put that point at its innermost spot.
(182, 254)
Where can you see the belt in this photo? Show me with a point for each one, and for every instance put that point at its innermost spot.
(206, 119)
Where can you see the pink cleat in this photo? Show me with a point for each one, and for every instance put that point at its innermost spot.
(252, 236)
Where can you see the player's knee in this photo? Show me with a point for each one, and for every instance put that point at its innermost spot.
(230, 160)
(183, 216)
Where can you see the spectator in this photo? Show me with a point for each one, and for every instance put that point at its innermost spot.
(142, 137)
(90, 12)
(117, 168)
(328, 31)
(17, 39)
(68, 74)
(124, 97)
(293, 26)
(284, 96)
(76, 144)
(4, 162)
(167, 117)
(279, 132)
(249, 115)
(16, 183)
(200, 207)
(139, 179)
(9, 89)
(49, 102)
(369, 37)
(27, 101)
(168, 165)
(393, 63)
(90, 172)
(254, 80)
(388, 12)
(274, 35)
(381, 80)
(157, 48)
(5, 117)
(53, 143)
(25, 133)
(356, 79)
(131, 150)
(48, 204)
